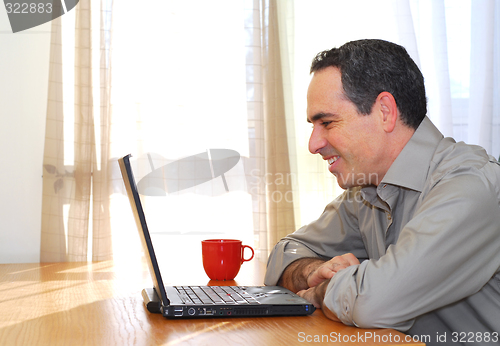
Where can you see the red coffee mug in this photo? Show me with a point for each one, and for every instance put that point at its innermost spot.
(222, 258)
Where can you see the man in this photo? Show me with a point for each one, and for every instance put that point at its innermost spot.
(414, 241)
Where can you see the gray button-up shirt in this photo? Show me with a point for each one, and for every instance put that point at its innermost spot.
(428, 239)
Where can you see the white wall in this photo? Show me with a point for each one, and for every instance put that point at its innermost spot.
(24, 61)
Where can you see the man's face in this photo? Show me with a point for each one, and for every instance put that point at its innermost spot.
(352, 143)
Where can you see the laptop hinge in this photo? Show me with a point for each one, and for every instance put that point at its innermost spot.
(151, 300)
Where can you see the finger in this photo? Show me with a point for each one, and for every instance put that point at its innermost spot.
(346, 260)
(339, 268)
(330, 268)
(302, 294)
(309, 296)
(319, 275)
(326, 272)
(350, 258)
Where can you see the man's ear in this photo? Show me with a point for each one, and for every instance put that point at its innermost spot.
(388, 110)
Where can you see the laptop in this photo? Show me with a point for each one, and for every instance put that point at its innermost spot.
(205, 301)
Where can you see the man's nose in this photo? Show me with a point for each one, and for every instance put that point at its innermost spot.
(317, 141)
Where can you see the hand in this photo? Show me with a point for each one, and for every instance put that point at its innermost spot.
(328, 269)
(312, 296)
(316, 295)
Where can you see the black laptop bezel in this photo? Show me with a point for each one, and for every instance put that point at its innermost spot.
(140, 219)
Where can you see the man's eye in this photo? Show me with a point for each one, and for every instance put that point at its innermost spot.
(323, 123)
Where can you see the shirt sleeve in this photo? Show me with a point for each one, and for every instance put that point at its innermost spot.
(335, 233)
(448, 251)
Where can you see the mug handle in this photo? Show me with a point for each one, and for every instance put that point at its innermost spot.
(243, 253)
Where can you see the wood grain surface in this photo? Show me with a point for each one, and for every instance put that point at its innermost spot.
(100, 303)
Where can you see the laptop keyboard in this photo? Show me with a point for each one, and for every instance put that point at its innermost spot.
(202, 295)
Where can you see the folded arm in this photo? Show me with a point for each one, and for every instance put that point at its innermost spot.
(335, 233)
(314, 275)
(448, 251)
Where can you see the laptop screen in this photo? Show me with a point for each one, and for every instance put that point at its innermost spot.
(140, 219)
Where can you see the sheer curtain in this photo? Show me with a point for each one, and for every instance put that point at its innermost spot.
(484, 97)
(190, 77)
(75, 205)
(178, 81)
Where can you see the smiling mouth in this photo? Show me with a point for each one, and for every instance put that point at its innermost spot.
(333, 159)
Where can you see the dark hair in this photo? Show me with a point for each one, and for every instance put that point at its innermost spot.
(369, 67)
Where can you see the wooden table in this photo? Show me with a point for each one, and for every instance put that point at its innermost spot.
(100, 303)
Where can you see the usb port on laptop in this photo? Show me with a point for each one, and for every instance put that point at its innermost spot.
(207, 312)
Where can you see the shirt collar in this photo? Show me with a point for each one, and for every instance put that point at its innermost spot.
(411, 167)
